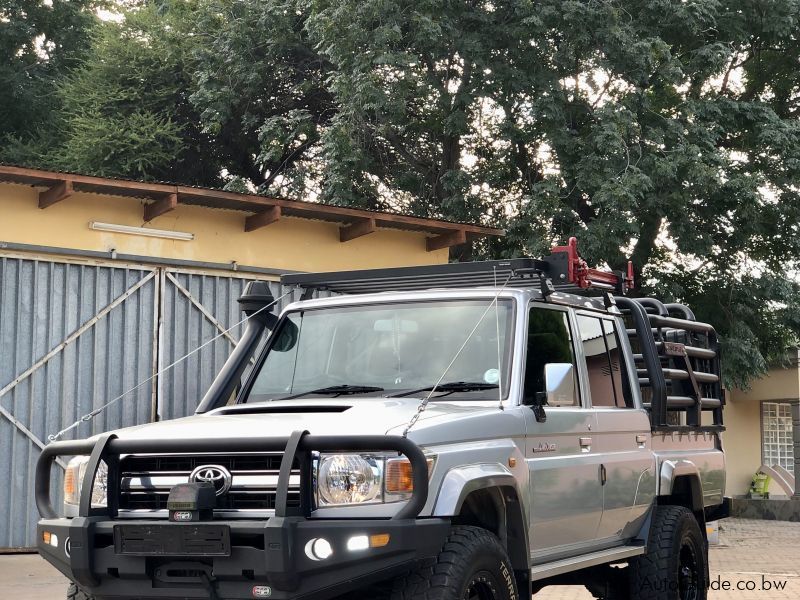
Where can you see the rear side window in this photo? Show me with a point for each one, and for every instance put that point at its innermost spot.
(605, 363)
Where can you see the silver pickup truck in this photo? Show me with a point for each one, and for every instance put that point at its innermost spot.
(472, 431)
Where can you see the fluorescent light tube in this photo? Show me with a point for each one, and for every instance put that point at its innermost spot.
(146, 231)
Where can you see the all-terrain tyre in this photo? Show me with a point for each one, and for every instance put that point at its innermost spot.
(675, 566)
(472, 565)
(74, 593)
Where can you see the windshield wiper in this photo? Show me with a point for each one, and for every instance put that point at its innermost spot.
(450, 388)
(338, 390)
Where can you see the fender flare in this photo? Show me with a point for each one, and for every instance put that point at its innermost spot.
(462, 481)
(671, 470)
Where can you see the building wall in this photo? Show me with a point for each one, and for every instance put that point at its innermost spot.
(742, 438)
(742, 443)
(778, 384)
(290, 243)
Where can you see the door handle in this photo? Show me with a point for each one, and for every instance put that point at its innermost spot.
(603, 475)
(585, 442)
(641, 439)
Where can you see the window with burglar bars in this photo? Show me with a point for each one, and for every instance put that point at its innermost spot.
(776, 435)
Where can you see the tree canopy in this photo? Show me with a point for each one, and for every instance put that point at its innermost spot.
(662, 131)
(40, 41)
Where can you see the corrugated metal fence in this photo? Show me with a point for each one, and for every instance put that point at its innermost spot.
(73, 336)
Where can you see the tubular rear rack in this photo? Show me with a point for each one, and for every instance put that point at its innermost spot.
(678, 364)
(564, 269)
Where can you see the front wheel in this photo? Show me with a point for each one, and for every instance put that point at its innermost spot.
(472, 565)
(74, 593)
(675, 566)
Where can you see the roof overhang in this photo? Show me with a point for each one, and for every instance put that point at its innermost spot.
(162, 198)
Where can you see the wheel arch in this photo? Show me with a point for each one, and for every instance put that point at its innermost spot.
(488, 496)
(680, 484)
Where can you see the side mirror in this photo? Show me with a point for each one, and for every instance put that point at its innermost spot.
(559, 384)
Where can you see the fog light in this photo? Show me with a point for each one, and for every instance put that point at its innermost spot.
(358, 542)
(318, 549)
(54, 540)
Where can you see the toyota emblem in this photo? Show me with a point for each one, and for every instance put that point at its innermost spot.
(216, 475)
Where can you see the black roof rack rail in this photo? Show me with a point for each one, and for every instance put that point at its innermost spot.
(564, 269)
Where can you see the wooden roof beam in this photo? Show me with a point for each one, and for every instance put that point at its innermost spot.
(61, 184)
(356, 229)
(447, 240)
(262, 219)
(57, 193)
(159, 207)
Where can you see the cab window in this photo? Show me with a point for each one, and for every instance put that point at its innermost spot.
(549, 341)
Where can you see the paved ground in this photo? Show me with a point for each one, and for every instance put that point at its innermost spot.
(752, 559)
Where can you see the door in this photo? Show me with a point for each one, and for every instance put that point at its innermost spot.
(564, 465)
(74, 337)
(622, 435)
(197, 307)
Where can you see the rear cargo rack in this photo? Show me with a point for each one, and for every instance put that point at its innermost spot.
(564, 270)
(678, 365)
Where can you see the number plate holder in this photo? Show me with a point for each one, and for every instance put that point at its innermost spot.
(172, 539)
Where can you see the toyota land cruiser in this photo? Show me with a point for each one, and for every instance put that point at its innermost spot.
(462, 431)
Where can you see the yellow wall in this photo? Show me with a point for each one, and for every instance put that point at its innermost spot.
(742, 437)
(778, 384)
(290, 243)
(742, 443)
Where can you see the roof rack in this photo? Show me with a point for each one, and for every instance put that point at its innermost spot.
(564, 270)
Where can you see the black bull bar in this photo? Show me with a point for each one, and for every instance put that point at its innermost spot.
(297, 449)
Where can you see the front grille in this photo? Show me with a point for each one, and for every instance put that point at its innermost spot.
(145, 481)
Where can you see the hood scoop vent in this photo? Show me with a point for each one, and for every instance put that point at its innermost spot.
(261, 409)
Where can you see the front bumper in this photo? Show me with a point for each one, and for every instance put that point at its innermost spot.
(267, 559)
(263, 559)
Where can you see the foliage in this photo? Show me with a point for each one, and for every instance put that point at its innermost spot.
(127, 111)
(662, 131)
(40, 42)
(260, 86)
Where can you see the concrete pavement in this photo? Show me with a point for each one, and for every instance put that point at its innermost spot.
(752, 561)
(755, 560)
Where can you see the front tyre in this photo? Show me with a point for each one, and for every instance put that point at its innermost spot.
(472, 565)
(675, 566)
(74, 593)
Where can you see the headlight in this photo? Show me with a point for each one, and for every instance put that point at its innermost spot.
(349, 479)
(73, 482)
(343, 479)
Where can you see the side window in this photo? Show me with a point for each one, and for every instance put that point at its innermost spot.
(608, 382)
(619, 371)
(549, 341)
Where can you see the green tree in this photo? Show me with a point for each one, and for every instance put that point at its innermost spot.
(672, 147)
(39, 43)
(417, 87)
(126, 109)
(657, 130)
(213, 92)
(261, 88)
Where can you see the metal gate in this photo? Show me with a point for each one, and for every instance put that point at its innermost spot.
(72, 336)
(75, 335)
(197, 307)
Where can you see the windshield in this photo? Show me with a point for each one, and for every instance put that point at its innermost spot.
(394, 347)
